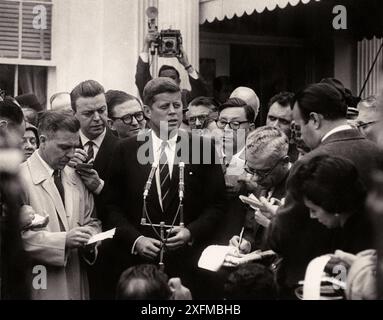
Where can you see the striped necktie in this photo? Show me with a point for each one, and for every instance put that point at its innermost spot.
(90, 151)
(164, 176)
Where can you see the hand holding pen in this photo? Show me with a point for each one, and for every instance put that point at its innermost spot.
(240, 243)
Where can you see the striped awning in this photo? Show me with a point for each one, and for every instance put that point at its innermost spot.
(221, 9)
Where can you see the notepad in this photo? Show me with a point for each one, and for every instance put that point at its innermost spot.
(251, 200)
(102, 236)
(214, 257)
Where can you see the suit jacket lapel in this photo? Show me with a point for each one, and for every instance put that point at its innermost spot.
(41, 175)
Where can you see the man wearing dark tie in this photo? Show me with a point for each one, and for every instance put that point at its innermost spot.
(167, 147)
(98, 142)
(54, 190)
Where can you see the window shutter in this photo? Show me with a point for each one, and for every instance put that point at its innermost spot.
(9, 29)
(35, 42)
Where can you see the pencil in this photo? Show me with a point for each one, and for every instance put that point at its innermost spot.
(240, 237)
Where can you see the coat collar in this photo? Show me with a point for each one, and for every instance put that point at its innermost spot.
(350, 134)
(40, 175)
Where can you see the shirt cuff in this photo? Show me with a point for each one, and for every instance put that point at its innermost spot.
(134, 245)
(194, 74)
(100, 187)
(144, 57)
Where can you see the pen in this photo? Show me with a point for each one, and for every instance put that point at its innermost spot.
(240, 237)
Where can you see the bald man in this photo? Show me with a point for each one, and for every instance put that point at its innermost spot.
(249, 96)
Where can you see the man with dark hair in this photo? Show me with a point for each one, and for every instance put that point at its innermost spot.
(166, 146)
(148, 282)
(90, 108)
(202, 114)
(125, 112)
(29, 100)
(251, 281)
(280, 111)
(236, 120)
(98, 143)
(12, 120)
(280, 115)
(320, 110)
(54, 190)
(143, 75)
(143, 282)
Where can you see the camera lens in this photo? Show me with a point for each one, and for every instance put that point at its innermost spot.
(169, 44)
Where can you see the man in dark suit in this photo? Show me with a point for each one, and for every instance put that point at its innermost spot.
(320, 110)
(97, 144)
(203, 202)
(97, 141)
(143, 75)
(267, 167)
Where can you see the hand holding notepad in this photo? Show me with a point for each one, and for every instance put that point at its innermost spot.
(102, 236)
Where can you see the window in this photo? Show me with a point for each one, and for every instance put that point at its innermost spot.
(25, 46)
(25, 29)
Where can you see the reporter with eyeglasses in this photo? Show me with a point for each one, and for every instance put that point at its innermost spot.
(125, 113)
(235, 122)
(266, 170)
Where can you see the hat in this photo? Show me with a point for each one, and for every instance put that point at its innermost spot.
(29, 100)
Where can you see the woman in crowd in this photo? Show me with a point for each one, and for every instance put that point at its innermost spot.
(30, 140)
(330, 188)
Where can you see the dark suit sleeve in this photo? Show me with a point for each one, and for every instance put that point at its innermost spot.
(213, 185)
(143, 75)
(117, 201)
(198, 89)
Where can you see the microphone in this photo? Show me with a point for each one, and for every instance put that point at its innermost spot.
(181, 185)
(150, 178)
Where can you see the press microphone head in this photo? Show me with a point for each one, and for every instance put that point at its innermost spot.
(182, 164)
(152, 12)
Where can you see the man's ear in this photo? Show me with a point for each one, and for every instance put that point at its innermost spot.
(147, 111)
(251, 127)
(3, 124)
(110, 123)
(316, 119)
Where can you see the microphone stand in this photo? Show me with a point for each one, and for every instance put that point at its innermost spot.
(162, 225)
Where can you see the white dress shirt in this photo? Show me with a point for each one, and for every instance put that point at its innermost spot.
(96, 147)
(97, 142)
(170, 151)
(335, 130)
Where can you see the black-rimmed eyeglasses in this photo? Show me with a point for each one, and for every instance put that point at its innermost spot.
(234, 125)
(263, 174)
(127, 119)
